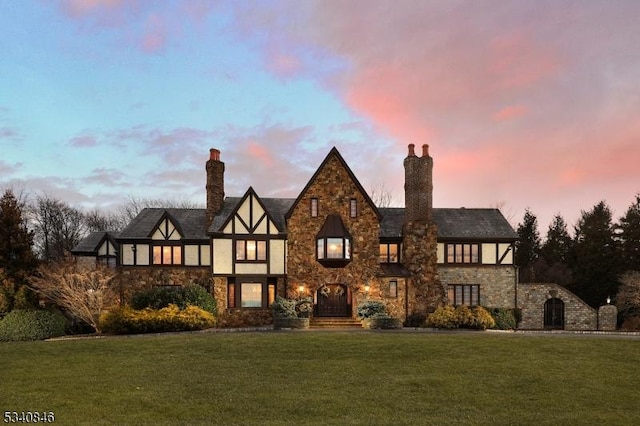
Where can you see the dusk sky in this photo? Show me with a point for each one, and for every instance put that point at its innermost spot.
(523, 103)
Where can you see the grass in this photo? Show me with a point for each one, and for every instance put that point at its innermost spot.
(325, 378)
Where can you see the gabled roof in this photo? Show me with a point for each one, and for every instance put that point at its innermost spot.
(91, 243)
(334, 153)
(275, 207)
(454, 224)
(192, 223)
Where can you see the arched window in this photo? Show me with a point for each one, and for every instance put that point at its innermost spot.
(554, 314)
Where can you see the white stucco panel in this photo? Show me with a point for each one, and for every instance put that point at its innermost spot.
(441, 255)
(251, 268)
(222, 256)
(142, 254)
(489, 254)
(205, 255)
(191, 253)
(277, 256)
(506, 253)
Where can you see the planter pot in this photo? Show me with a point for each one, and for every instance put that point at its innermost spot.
(283, 323)
(383, 323)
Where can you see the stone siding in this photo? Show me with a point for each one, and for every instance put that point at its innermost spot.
(497, 283)
(419, 253)
(134, 279)
(334, 188)
(607, 318)
(532, 297)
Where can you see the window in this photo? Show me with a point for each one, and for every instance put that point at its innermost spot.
(314, 207)
(389, 253)
(333, 243)
(465, 294)
(251, 250)
(167, 255)
(272, 294)
(251, 295)
(393, 288)
(463, 253)
(231, 294)
(353, 208)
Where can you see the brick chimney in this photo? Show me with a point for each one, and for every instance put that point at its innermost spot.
(418, 185)
(215, 184)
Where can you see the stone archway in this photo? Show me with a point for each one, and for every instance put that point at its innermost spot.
(554, 314)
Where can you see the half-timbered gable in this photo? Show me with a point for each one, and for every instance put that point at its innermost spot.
(98, 247)
(249, 248)
(166, 237)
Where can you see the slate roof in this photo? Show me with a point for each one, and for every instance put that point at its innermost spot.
(192, 223)
(460, 224)
(89, 246)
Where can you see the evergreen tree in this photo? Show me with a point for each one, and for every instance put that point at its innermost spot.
(596, 265)
(16, 257)
(555, 254)
(527, 247)
(630, 237)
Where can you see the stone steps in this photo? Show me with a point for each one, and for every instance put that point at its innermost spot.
(335, 322)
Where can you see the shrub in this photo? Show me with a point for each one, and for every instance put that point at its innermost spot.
(125, 320)
(505, 319)
(443, 317)
(460, 317)
(6, 301)
(161, 297)
(284, 308)
(25, 298)
(416, 319)
(631, 324)
(304, 307)
(32, 325)
(369, 308)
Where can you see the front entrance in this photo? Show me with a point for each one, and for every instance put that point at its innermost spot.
(554, 314)
(333, 300)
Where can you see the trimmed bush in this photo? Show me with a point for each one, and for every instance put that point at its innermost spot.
(370, 308)
(504, 318)
(416, 319)
(461, 317)
(161, 297)
(284, 308)
(32, 324)
(125, 320)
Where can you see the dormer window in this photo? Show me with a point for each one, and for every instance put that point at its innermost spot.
(333, 243)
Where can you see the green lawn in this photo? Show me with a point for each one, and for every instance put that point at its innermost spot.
(326, 378)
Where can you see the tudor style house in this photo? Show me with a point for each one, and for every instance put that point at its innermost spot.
(331, 243)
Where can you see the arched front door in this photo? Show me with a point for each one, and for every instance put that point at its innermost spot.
(554, 313)
(333, 300)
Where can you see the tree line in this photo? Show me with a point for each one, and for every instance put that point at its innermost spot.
(595, 263)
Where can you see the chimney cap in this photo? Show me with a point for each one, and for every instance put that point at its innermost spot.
(425, 150)
(412, 152)
(214, 154)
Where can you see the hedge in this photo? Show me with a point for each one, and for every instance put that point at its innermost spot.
(161, 297)
(32, 324)
(125, 320)
(460, 317)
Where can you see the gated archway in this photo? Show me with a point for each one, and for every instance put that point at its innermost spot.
(554, 314)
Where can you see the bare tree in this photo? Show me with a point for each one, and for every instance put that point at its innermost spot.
(84, 292)
(58, 227)
(381, 196)
(134, 205)
(98, 221)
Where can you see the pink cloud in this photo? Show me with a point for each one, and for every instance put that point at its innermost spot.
(155, 35)
(283, 64)
(510, 112)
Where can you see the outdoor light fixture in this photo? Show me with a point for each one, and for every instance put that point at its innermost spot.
(300, 289)
(608, 300)
(366, 288)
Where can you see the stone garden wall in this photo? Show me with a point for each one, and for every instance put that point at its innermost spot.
(532, 297)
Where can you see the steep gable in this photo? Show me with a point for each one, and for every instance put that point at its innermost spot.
(334, 155)
(250, 216)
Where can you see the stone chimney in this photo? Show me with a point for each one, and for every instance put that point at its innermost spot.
(215, 184)
(418, 185)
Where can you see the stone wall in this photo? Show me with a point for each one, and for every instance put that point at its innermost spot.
(419, 254)
(607, 318)
(334, 188)
(532, 297)
(497, 283)
(134, 279)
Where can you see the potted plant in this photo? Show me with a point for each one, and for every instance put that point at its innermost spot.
(285, 315)
(373, 315)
